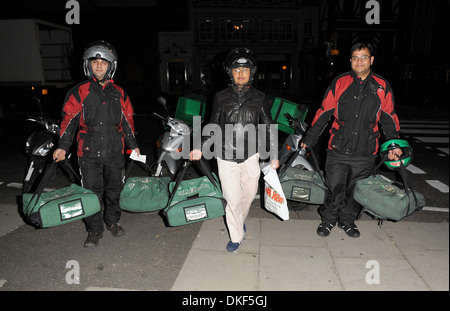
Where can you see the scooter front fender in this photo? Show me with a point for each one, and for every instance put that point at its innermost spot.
(302, 161)
(172, 164)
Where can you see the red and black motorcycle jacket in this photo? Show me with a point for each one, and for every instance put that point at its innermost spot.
(104, 117)
(358, 107)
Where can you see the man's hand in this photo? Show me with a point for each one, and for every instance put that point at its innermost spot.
(137, 151)
(59, 155)
(275, 164)
(195, 155)
(394, 153)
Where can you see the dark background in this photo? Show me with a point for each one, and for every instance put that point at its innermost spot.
(421, 82)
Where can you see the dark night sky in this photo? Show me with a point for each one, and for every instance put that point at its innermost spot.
(132, 27)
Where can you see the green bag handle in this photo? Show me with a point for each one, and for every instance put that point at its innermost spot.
(47, 176)
(405, 181)
(128, 169)
(294, 156)
(146, 166)
(180, 177)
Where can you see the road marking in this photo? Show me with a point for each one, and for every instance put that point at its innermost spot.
(424, 126)
(19, 186)
(438, 185)
(443, 140)
(414, 169)
(14, 185)
(422, 131)
(435, 209)
(444, 150)
(423, 122)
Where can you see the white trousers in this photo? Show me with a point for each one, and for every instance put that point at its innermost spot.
(239, 183)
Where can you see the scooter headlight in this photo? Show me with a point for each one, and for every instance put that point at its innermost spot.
(43, 151)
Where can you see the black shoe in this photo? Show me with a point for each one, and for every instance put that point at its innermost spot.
(351, 230)
(92, 239)
(116, 230)
(324, 229)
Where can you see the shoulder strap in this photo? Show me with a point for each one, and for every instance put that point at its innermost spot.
(180, 177)
(44, 180)
(66, 164)
(316, 163)
(203, 167)
(407, 185)
(294, 156)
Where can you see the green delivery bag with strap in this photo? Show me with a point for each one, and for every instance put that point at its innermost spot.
(60, 206)
(301, 185)
(386, 199)
(195, 199)
(144, 194)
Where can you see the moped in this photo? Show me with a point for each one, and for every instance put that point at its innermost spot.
(170, 144)
(39, 147)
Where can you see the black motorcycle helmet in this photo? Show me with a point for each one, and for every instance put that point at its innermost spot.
(240, 57)
(100, 49)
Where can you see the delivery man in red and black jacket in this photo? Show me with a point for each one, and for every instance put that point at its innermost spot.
(359, 101)
(101, 111)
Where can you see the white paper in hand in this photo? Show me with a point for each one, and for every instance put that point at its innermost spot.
(274, 198)
(134, 156)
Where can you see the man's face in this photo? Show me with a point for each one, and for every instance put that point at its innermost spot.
(241, 76)
(361, 62)
(99, 68)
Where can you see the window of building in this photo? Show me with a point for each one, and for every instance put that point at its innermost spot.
(307, 27)
(205, 29)
(275, 30)
(236, 29)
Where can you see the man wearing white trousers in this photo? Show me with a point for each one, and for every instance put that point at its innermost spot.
(242, 108)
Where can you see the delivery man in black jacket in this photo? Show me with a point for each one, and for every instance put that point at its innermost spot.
(102, 112)
(238, 106)
(358, 100)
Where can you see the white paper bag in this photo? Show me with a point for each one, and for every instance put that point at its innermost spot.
(274, 198)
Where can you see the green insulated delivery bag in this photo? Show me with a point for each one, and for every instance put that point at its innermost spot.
(280, 106)
(144, 194)
(301, 185)
(60, 206)
(194, 200)
(386, 199)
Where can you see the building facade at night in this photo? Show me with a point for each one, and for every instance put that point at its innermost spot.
(283, 34)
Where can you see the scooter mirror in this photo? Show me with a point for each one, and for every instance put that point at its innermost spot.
(36, 100)
(162, 101)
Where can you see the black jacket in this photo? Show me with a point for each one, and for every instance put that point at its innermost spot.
(238, 108)
(357, 106)
(104, 117)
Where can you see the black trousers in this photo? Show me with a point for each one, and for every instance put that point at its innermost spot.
(341, 174)
(105, 177)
